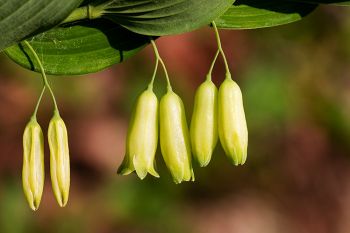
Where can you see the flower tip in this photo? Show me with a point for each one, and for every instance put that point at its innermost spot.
(124, 171)
(153, 172)
(244, 159)
(178, 177)
(203, 164)
(65, 201)
(59, 201)
(34, 206)
(62, 205)
(177, 181)
(242, 162)
(192, 176)
(143, 169)
(141, 174)
(126, 167)
(62, 202)
(235, 161)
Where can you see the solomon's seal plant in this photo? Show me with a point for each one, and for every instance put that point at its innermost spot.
(219, 113)
(78, 37)
(142, 137)
(33, 152)
(216, 114)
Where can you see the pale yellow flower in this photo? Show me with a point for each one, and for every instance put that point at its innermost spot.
(233, 132)
(203, 131)
(142, 139)
(33, 163)
(59, 159)
(174, 138)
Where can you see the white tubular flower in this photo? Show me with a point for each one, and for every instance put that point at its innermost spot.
(59, 159)
(203, 131)
(233, 132)
(142, 139)
(174, 138)
(33, 163)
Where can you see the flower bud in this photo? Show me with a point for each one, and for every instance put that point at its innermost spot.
(142, 139)
(204, 135)
(232, 124)
(33, 163)
(174, 138)
(59, 159)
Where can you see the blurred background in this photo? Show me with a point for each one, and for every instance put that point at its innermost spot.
(295, 81)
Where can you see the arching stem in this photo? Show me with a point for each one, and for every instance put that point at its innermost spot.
(45, 81)
(162, 63)
(221, 50)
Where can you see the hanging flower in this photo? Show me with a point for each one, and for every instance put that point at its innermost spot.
(142, 139)
(232, 124)
(59, 159)
(174, 138)
(203, 131)
(33, 163)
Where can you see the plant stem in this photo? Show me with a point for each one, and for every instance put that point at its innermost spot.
(46, 83)
(85, 12)
(220, 48)
(150, 86)
(162, 63)
(38, 103)
(212, 65)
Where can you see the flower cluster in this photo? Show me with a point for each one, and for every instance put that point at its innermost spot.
(33, 161)
(167, 118)
(217, 114)
(142, 140)
(33, 154)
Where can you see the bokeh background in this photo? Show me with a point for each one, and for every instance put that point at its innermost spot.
(295, 81)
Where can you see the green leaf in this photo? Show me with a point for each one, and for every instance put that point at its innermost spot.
(20, 18)
(79, 49)
(250, 14)
(164, 17)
